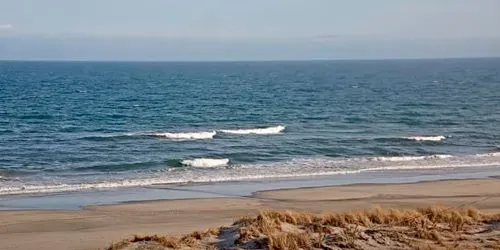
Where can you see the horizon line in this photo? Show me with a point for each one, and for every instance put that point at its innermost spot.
(250, 60)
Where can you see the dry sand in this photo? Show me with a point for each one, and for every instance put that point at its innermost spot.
(95, 227)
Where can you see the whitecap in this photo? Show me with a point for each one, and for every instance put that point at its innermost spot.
(205, 162)
(292, 168)
(426, 138)
(186, 136)
(493, 154)
(409, 158)
(259, 131)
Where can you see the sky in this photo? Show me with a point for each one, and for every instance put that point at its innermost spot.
(247, 30)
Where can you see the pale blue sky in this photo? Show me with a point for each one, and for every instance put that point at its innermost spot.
(257, 29)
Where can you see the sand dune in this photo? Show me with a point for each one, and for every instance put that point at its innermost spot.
(97, 226)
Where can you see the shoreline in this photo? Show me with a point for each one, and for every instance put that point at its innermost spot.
(77, 200)
(301, 168)
(263, 194)
(98, 225)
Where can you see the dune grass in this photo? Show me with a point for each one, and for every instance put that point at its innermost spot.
(434, 227)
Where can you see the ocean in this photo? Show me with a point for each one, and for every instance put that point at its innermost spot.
(79, 126)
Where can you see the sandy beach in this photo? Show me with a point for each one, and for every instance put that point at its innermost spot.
(94, 227)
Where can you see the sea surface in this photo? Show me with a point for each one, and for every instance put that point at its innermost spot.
(79, 126)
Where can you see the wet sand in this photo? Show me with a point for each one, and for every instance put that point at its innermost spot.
(94, 227)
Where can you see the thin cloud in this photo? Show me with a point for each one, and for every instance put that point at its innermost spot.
(6, 27)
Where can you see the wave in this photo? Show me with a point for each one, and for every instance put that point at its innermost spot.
(493, 154)
(186, 136)
(111, 136)
(409, 158)
(119, 167)
(259, 131)
(293, 168)
(181, 136)
(426, 138)
(138, 135)
(205, 162)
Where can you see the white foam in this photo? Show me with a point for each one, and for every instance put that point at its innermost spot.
(206, 162)
(293, 168)
(56, 188)
(409, 158)
(494, 154)
(259, 131)
(426, 138)
(187, 136)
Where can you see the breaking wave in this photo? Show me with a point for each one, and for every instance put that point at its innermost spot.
(493, 154)
(293, 168)
(409, 158)
(186, 136)
(426, 138)
(205, 162)
(144, 135)
(181, 136)
(259, 131)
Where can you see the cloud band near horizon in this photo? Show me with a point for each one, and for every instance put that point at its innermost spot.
(6, 26)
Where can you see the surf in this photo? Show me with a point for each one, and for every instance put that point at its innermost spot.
(493, 154)
(205, 162)
(192, 171)
(259, 131)
(409, 158)
(186, 136)
(426, 138)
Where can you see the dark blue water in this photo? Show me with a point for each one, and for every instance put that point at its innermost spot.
(68, 126)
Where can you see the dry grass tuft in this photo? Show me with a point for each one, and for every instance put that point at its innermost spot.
(288, 241)
(434, 227)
